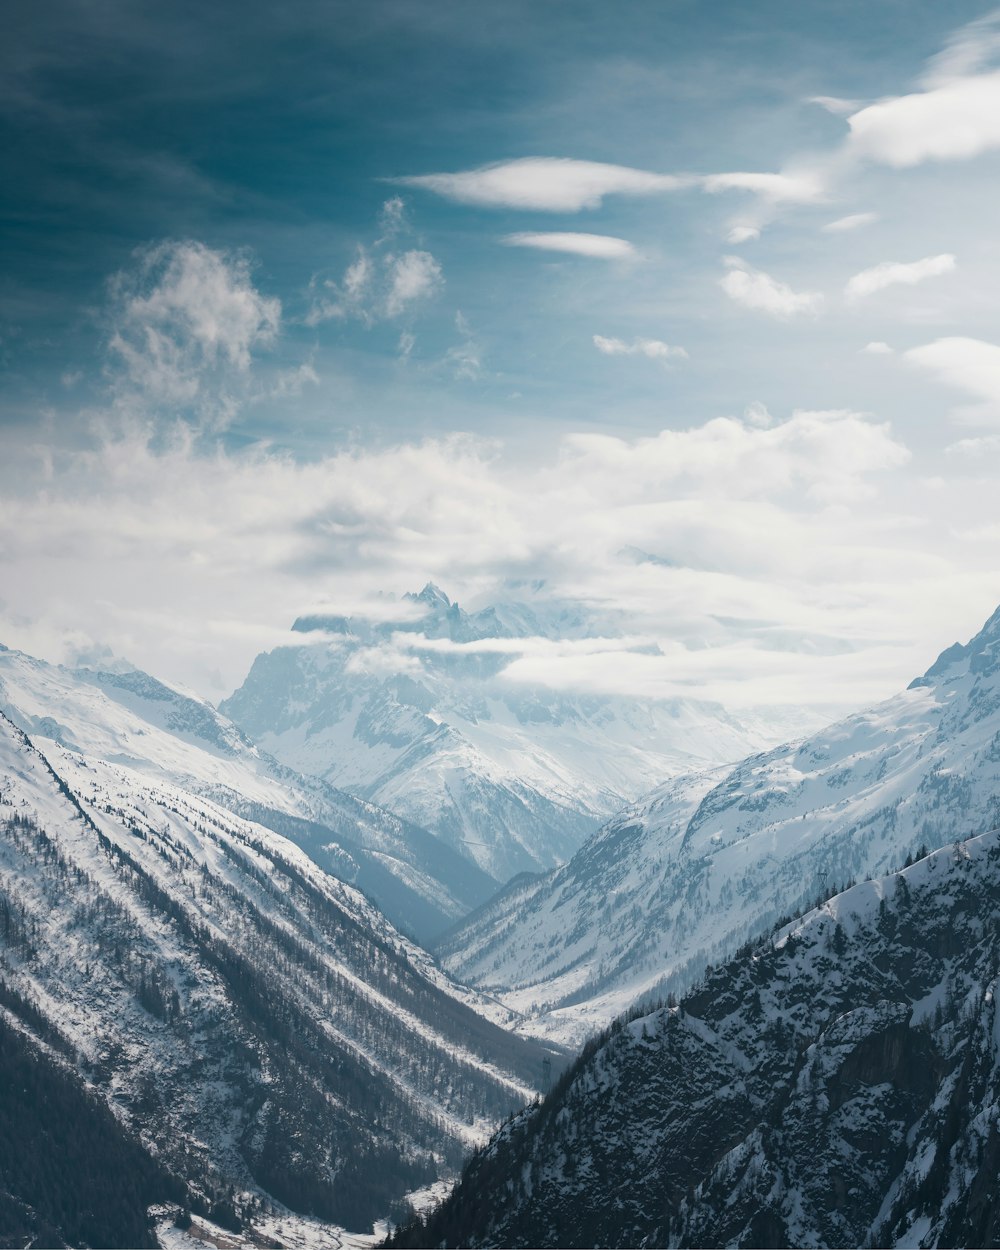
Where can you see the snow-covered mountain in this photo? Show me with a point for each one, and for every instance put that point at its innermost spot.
(127, 717)
(705, 861)
(514, 776)
(835, 1084)
(252, 1022)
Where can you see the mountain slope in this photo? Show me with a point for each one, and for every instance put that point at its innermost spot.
(130, 718)
(708, 860)
(256, 1021)
(835, 1084)
(415, 715)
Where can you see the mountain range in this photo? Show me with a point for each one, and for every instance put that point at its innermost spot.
(835, 1084)
(125, 716)
(705, 861)
(417, 715)
(261, 1035)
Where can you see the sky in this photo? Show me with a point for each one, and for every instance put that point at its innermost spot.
(683, 315)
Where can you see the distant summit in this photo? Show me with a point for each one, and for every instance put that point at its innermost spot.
(513, 774)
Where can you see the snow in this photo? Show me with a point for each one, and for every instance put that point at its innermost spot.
(707, 860)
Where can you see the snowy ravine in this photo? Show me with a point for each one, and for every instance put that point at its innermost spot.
(254, 1021)
(128, 717)
(512, 775)
(706, 861)
(835, 1084)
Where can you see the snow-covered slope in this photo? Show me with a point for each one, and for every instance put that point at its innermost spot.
(257, 1022)
(685, 876)
(837, 1084)
(514, 776)
(130, 718)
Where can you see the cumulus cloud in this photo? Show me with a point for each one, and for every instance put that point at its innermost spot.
(599, 246)
(876, 348)
(547, 184)
(853, 221)
(185, 321)
(969, 365)
(759, 291)
(955, 116)
(893, 273)
(652, 349)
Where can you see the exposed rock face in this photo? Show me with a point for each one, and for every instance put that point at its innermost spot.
(835, 1084)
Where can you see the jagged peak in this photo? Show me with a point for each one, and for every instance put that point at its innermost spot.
(976, 652)
(431, 594)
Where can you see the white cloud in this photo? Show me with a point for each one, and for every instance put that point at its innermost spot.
(219, 552)
(952, 121)
(803, 187)
(836, 105)
(758, 290)
(653, 349)
(876, 348)
(743, 234)
(412, 276)
(599, 246)
(465, 358)
(757, 414)
(854, 221)
(185, 322)
(969, 365)
(548, 184)
(893, 273)
(379, 284)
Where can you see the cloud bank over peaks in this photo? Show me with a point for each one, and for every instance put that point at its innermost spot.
(219, 551)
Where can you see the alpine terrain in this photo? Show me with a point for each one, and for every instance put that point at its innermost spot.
(515, 776)
(125, 716)
(707, 860)
(836, 1083)
(235, 1027)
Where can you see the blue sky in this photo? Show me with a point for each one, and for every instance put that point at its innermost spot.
(301, 305)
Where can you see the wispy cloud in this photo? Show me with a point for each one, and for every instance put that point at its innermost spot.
(742, 234)
(599, 246)
(894, 273)
(652, 349)
(853, 221)
(757, 290)
(381, 283)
